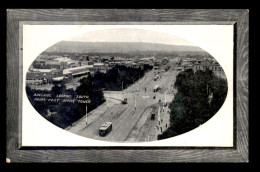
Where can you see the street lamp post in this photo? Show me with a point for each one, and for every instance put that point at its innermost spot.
(86, 114)
(135, 102)
(159, 115)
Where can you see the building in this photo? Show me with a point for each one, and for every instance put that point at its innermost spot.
(39, 64)
(57, 73)
(100, 67)
(84, 63)
(205, 65)
(53, 65)
(67, 75)
(217, 70)
(81, 70)
(84, 58)
(137, 65)
(185, 62)
(44, 75)
(214, 67)
(72, 64)
(186, 67)
(39, 74)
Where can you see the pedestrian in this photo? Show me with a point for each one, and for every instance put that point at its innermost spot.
(161, 129)
(166, 125)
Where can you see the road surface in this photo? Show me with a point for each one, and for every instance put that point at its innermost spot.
(132, 121)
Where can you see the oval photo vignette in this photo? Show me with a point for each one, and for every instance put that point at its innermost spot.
(126, 85)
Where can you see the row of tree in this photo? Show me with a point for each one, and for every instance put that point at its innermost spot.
(65, 113)
(119, 77)
(192, 105)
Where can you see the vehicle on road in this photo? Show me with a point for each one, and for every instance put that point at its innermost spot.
(152, 116)
(156, 88)
(124, 101)
(156, 77)
(167, 68)
(105, 128)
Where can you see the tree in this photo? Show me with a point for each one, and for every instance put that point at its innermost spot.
(219, 90)
(191, 106)
(65, 113)
(85, 86)
(58, 88)
(95, 95)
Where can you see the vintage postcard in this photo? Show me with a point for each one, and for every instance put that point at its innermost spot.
(138, 84)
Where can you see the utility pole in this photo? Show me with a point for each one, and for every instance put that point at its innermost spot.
(86, 114)
(135, 102)
(159, 115)
(165, 98)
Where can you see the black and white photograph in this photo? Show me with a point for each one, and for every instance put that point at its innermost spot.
(128, 85)
(133, 85)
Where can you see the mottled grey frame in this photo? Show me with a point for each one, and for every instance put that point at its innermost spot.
(238, 18)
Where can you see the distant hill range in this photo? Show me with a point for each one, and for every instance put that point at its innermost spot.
(133, 48)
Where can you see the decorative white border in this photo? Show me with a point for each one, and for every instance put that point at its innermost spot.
(215, 39)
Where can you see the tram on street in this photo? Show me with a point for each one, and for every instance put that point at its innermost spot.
(105, 128)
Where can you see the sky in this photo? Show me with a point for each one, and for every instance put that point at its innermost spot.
(129, 35)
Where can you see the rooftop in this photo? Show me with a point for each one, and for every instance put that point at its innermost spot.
(80, 73)
(105, 125)
(65, 71)
(156, 86)
(41, 70)
(64, 59)
(58, 78)
(80, 67)
(52, 62)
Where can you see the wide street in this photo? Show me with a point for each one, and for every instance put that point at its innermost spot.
(132, 121)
